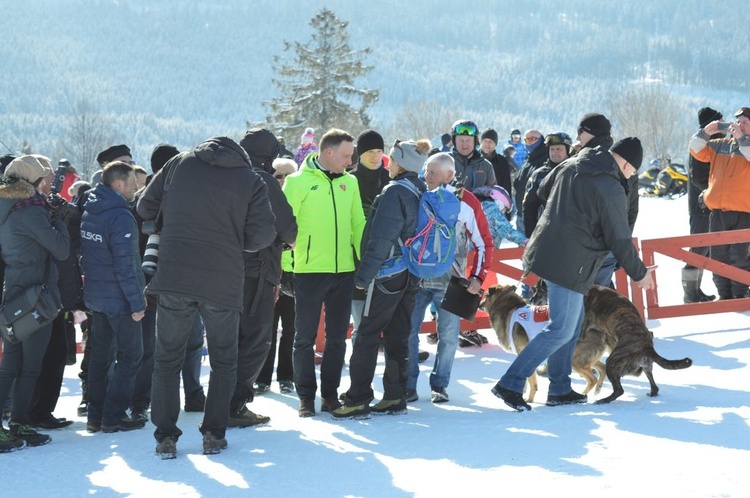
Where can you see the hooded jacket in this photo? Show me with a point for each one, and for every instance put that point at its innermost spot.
(330, 219)
(110, 258)
(29, 235)
(216, 208)
(585, 217)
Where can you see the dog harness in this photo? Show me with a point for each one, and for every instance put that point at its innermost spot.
(532, 318)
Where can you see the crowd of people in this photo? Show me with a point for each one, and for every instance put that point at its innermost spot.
(230, 239)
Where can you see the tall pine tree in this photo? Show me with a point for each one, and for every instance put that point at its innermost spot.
(317, 86)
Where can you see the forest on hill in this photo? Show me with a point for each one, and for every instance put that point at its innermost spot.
(180, 71)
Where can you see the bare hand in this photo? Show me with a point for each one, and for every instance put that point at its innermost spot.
(475, 286)
(137, 317)
(712, 128)
(647, 282)
(735, 131)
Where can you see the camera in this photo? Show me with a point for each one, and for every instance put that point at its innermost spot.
(59, 179)
(148, 227)
(151, 254)
(724, 126)
(61, 208)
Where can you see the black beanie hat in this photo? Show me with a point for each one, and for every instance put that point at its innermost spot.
(630, 149)
(445, 138)
(706, 115)
(489, 133)
(160, 155)
(596, 124)
(369, 140)
(112, 153)
(262, 147)
(5, 161)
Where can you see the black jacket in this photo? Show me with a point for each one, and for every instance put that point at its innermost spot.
(536, 160)
(29, 235)
(216, 208)
(266, 263)
(502, 169)
(532, 203)
(262, 148)
(371, 183)
(585, 217)
(393, 216)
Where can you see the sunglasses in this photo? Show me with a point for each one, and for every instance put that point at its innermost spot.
(280, 176)
(467, 129)
(530, 140)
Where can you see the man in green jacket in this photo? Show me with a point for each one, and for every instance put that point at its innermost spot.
(327, 204)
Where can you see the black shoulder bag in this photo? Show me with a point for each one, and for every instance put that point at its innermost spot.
(29, 311)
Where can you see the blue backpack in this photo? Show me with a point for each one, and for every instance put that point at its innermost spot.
(431, 251)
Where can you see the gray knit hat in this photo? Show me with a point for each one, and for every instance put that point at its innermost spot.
(407, 156)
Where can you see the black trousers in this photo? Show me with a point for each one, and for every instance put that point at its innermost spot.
(49, 383)
(699, 224)
(732, 254)
(284, 311)
(391, 307)
(256, 327)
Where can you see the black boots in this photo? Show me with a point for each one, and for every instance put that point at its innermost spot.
(691, 285)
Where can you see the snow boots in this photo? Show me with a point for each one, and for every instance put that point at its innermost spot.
(691, 285)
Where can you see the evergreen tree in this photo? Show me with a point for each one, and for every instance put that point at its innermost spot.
(317, 88)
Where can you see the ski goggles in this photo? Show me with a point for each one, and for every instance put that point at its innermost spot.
(530, 139)
(467, 129)
(557, 139)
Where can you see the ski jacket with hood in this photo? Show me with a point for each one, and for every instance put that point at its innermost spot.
(110, 254)
(216, 208)
(29, 236)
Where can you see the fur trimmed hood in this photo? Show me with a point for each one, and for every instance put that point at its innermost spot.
(12, 192)
(16, 189)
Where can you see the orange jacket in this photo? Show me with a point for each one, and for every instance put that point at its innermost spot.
(729, 176)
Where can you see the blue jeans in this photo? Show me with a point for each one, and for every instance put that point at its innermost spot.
(314, 290)
(604, 275)
(114, 339)
(175, 317)
(448, 326)
(555, 343)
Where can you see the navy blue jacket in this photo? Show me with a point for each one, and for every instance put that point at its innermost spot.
(393, 216)
(110, 258)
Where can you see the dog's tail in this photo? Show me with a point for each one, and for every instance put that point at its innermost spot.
(669, 364)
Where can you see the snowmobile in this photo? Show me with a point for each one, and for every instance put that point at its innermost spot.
(669, 181)
(647, 181)
(672, 181)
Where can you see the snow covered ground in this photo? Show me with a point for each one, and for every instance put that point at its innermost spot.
(693, 440)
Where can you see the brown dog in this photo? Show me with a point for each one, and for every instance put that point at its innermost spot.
(629, 342)
(502, 303)
(611, 324)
